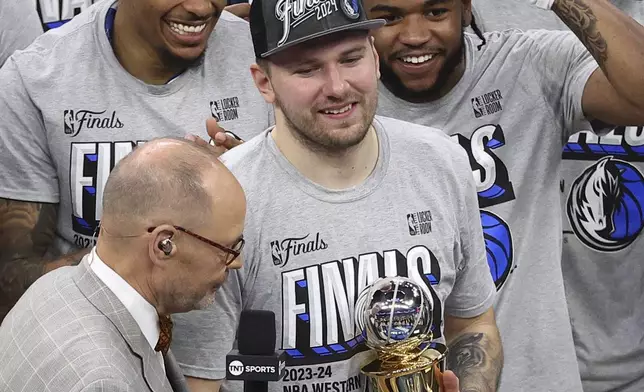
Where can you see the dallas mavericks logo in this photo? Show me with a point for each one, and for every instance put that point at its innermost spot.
(498, 246)
(351, 8)
(604, 205)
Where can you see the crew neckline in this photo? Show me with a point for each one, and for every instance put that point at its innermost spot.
(319, 192)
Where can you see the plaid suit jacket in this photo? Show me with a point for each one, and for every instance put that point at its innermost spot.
(70, 333)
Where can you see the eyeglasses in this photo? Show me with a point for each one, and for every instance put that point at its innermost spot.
(233, 253)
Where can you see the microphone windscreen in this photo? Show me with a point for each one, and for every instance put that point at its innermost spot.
(256, 333)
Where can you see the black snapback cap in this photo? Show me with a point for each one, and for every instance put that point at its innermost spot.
(279, 24)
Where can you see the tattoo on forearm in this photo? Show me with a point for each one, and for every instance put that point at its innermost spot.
(581, 19)
(476, 362)
(26, 232)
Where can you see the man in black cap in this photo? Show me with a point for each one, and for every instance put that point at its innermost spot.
(374, 197)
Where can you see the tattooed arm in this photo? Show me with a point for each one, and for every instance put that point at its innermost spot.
(475, 353)
(616, 41)
(26, 232)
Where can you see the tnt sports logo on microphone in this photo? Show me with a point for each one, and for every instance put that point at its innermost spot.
(237, 368)
(493, 187)
(55, 13)
(605, 203)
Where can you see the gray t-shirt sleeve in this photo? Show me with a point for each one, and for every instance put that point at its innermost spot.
(474, 291)
(563, 65)
(26, 167)
(20, 26)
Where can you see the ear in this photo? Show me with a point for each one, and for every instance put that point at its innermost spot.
(161, 247)
(263, 83)
(376, 57)
(467, 12)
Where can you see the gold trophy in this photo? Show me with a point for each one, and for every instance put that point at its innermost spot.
(396, 316)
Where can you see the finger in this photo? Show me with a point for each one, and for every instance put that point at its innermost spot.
(241, 10)
(213, 128)
(228, 141)
(450, 382)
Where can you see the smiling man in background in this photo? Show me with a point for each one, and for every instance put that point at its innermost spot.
(511, 99)
(84, 95)
(603, 245)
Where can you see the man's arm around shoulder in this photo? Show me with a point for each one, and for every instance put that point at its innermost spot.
(27, 230)
(475, 351)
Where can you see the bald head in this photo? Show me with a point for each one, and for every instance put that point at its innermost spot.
(163, 181)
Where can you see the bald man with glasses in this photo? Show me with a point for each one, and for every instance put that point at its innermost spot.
(173, 217)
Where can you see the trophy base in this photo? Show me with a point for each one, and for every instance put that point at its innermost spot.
(412, 378)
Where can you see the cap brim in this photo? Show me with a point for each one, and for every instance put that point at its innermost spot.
(364, 25)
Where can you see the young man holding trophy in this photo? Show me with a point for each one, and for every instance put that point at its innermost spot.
(338, 199)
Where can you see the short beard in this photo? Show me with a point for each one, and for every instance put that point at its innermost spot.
(181, 64)
(309, 134)
(398, 88)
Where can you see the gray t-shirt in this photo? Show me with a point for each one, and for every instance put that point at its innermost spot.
(70, 111)
(602, 246)
(19, 26)
(311, 250)
(509, 111)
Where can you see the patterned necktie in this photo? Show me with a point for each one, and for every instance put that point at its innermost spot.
(165, 334)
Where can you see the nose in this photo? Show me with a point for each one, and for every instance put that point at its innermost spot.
(335, 85)
(414, 31)
(201, 8)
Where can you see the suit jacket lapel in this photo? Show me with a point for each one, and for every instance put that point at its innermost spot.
(174, 374)
(107, 303)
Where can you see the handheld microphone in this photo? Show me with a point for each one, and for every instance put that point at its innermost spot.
(255, 361)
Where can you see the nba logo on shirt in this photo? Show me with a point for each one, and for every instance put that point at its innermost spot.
(276, 253)
(412, 224)
(214, 110)
(68, 121)
(478, 107)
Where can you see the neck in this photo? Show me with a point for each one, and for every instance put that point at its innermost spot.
(332, 170)
(125, 266)
(136, 55)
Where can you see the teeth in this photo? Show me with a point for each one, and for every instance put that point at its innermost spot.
(418, 59)
(339, 111)
(182, 29)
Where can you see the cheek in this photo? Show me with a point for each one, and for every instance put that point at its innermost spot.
(297, 93)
